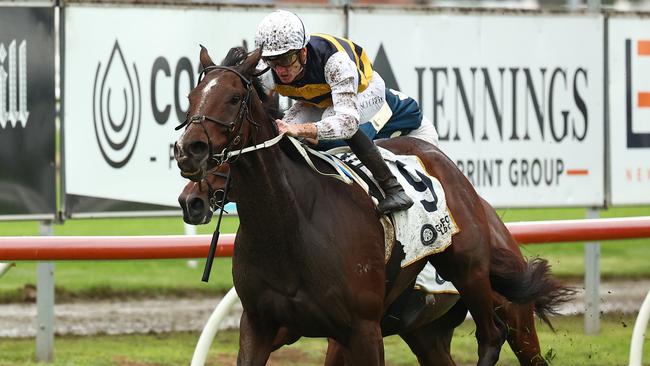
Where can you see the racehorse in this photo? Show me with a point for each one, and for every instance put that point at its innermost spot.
(309, 256)
(199, 199)
(429, 336)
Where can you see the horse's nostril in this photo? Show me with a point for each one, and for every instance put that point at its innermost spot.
(196, 206)
(198, 149)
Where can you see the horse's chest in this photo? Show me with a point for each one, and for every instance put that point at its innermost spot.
(304, 312)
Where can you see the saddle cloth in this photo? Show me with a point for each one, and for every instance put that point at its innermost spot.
(427, 227)
(424, 229)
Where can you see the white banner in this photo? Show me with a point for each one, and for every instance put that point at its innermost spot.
(128, 72)
(629, 115)
(517, 99)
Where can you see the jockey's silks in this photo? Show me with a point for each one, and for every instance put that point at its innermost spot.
(312, 87)
(399, 116)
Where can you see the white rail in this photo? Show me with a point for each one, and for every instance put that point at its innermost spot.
(638, 335)
(211, 327)
(4, 267)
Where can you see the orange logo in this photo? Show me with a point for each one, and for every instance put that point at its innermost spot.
(634, 139)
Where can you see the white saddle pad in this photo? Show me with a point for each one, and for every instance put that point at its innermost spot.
(430, 282)
(427, 227)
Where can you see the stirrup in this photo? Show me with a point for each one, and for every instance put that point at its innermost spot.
(396, 201)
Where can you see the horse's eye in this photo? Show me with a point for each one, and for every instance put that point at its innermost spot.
(234, 99)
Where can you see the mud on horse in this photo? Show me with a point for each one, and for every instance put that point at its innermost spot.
(309, 251)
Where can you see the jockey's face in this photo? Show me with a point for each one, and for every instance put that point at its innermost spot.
(288, 67)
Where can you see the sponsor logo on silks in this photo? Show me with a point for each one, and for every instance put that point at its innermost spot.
(428, 234)
(117, 108)
(638, 97)
(13, 85)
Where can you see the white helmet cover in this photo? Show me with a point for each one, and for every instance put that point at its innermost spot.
(280, 32)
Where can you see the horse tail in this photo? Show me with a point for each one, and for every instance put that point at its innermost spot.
(525, 281)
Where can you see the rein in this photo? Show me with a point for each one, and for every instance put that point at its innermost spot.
(268, 143)
(215, 236)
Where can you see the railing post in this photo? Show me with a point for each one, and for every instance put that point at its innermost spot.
(592, 281)
(191, 230)
(45, 304)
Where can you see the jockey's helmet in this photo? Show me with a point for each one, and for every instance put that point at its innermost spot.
(280, 32)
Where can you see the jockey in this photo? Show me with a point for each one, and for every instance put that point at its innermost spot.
(335, 89)
(400, 116)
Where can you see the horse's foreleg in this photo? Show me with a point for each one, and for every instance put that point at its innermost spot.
(256, 342)
(365, 344)
(470, 274)
(431, 344)
(334, 356)
(522, 336)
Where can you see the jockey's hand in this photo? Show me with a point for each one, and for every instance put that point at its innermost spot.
(285, 128)
(306, 130)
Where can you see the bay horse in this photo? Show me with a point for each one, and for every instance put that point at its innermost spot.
(429, 336)
(200, 199)
(309, 256)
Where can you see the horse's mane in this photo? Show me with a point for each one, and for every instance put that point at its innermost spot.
(235, 57)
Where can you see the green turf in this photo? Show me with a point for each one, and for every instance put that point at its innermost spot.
(102, 279)
(569, 346)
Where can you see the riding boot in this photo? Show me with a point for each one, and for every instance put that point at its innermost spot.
(368, 153)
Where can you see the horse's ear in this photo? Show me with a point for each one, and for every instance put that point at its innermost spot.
(248, 66)
(205, 58)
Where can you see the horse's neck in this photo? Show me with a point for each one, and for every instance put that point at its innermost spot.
(266, 179)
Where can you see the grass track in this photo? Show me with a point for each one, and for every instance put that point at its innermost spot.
(568, 347)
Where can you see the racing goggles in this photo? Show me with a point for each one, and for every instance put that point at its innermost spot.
(283, 60)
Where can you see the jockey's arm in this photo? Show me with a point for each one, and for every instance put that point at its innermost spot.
(341, 75)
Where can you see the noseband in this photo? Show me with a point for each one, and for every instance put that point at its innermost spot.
(242, 115)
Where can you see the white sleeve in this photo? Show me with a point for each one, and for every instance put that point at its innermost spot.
(342, 76)
(298, 113)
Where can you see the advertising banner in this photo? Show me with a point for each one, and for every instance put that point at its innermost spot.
(128, 72)
(27, 113)
(629, 114)
(517, 99)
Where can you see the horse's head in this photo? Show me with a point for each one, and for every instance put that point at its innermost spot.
(221, 114)
(200, 199)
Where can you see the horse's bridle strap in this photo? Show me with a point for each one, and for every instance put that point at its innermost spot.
(263, 145)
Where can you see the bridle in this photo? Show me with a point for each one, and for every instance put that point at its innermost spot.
(243, 114)
(213, 199)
